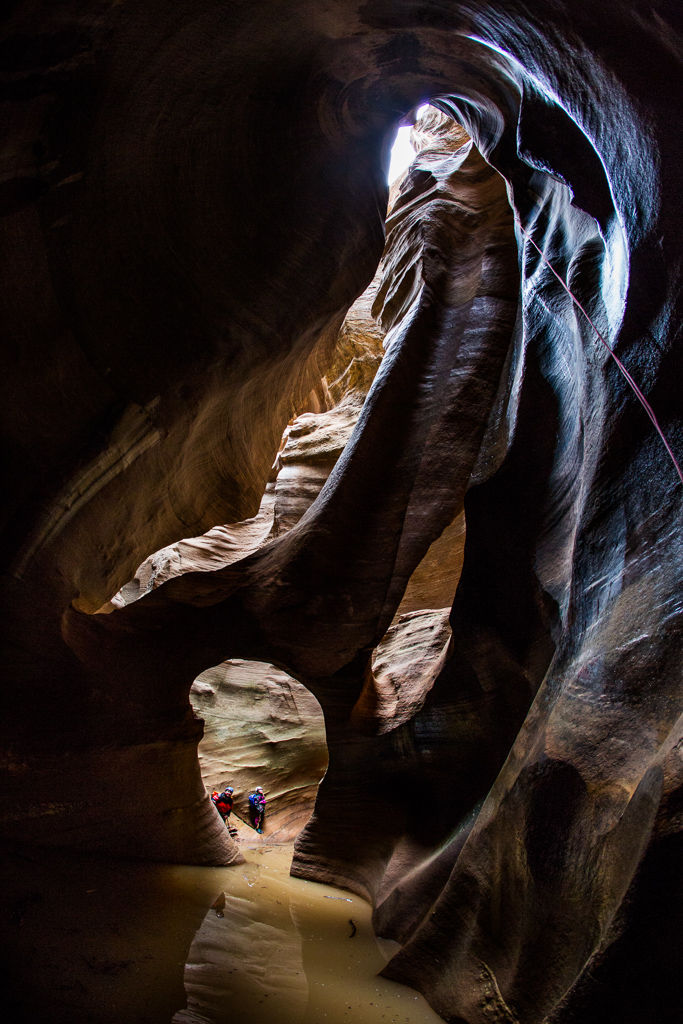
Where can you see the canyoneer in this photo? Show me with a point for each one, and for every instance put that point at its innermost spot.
(257, 806)
(223, 802)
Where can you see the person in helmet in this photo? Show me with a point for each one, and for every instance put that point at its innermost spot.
(223, 803)
(257, 806)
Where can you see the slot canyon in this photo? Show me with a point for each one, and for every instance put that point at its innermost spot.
(366, 493)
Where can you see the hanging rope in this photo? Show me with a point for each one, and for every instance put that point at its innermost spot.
(634, 387)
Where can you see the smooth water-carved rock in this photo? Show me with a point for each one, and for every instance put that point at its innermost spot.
(313, 445)
(214, 549)
(403, 670)
(433, 582)
(261, 728)
(358, 352)
(260, 725)
(310, 446)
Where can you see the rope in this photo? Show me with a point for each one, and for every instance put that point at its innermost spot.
(634, 387)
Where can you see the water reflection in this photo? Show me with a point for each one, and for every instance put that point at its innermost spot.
(106, 942)
(246, 966)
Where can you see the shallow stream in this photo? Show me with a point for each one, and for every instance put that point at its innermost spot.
(87, 941)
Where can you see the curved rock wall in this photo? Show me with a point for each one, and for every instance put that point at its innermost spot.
(181, 293)
(261, 728)
(259, 725)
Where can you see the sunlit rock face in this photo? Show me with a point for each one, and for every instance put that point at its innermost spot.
(261, 728)
(192, 197)
(415, 753)
(260, 725)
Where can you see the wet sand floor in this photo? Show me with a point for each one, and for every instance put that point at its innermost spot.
(88, 941)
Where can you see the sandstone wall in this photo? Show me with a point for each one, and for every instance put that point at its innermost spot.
(261, 728)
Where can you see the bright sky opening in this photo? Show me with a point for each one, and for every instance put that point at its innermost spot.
(402, 153)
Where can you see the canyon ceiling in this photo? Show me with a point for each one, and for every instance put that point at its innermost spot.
(192, 194)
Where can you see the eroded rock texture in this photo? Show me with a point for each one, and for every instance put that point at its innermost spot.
(261, 728)
(260, 725)
(193, 196)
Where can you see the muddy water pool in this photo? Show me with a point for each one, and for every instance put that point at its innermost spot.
(105, 942)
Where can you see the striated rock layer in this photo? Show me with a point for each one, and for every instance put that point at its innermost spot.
(192, 195)
(260, 725)
(261, 728)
